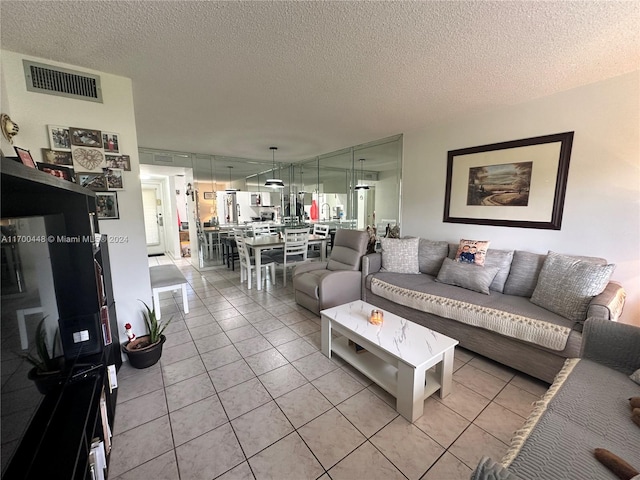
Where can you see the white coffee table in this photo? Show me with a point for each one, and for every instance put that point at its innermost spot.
(398, 354)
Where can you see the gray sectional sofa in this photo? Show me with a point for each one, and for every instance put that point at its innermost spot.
(527, 318)
(586, 407)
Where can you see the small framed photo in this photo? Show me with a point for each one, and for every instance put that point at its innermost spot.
(110, 142)
(83, 137)
(114, 178)
(59, 138)
(209, 195)
(55, 157)
(107, 206)
(60, 171)
(93, 181)
(25, 157)
(118, 161)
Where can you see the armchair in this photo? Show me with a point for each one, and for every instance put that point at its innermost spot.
(320, 285)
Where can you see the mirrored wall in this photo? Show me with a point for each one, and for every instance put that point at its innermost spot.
(355, 187)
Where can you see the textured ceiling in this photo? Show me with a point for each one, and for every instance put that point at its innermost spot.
(233, 78)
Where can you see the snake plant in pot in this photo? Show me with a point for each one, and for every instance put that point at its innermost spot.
(47, 371)
(146, 350)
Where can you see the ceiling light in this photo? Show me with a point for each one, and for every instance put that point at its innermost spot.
(229, 189)
(274, 182)
(362, 186)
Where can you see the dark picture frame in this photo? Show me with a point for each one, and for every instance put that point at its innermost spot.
(84, 137)
(107, 206)
(92, 180)
(209, 195)
(534, 201)
(56, 157)
(25, 157)
(59, 171)
(111, 142)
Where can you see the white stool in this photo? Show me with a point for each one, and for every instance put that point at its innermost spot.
(22, 325)
(166, 278)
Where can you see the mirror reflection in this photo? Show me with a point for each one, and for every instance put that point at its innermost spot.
(193, 201)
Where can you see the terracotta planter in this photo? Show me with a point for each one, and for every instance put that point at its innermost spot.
(145, 356)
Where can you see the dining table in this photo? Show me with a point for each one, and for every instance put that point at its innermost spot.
(266, 242)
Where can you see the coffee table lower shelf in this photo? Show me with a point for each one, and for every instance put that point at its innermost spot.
(378, 370)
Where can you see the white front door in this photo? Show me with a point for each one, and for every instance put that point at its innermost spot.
(153, 218)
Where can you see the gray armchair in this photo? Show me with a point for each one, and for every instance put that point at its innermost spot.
(321, 285)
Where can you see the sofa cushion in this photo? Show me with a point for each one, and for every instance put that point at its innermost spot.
(430, 255)
(523, 275)
(567, 284)
(588, 410)
(308, 283)
(508, 315)
(400, 255)
(469, 276)
(472, 251)
(501, 259)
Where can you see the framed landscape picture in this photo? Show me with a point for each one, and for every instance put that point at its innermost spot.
(56, 157)
(83, 137)
(110, 142)
(520, 183)
(60, 171)
(107, 206)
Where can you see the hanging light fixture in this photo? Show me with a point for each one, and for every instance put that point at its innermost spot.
(362, 186)
(301, 181)
(229, 189)
(274, 182)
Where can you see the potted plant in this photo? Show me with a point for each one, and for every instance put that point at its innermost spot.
(47, 369)
(146, 350)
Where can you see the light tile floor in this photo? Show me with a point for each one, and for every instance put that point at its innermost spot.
(243, 392)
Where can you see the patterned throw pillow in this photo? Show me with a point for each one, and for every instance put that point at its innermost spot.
(400, 255)
(472, 251)
(567, 284)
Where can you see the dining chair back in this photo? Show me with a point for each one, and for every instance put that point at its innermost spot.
(248, 264)
(295, 251)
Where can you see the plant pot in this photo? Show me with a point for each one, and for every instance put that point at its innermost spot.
(143, 357)
(45, 381)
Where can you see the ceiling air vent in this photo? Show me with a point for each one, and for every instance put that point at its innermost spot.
(62, 82)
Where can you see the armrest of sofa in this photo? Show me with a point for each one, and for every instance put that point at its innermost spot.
(487, 469)
(308, 267)
(615, 345)
(339, 287)
(371, 263)
(608, 305)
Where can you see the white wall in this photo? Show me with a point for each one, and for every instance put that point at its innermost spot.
(601, 211)
(34, 111)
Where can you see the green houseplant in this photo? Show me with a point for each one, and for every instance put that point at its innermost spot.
(146, 350)
(47, 368)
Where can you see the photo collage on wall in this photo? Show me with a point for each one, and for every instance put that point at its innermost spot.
(91, 158)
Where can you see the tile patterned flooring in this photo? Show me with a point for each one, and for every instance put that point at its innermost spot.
(243, 392)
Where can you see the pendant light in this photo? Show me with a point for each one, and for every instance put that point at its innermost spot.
(229, 189)
(301, 181)
(274, 182)
(362, 186)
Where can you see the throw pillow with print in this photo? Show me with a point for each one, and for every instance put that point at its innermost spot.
(472, 251)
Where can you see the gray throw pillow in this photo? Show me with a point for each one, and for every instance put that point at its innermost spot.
(467, 275)
(567, 284)
(635, 376)
(400, 255)
(501, 259)
(430, 255)
(523, 275)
